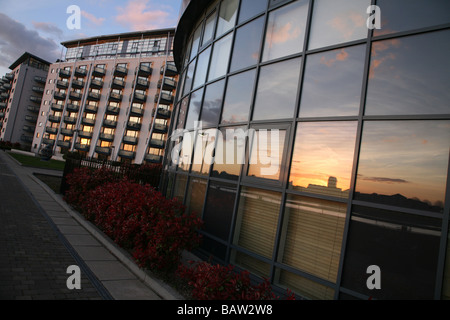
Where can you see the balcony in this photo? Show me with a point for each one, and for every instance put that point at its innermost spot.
(153, 158)
(127, 154)
(82, 147)
(112, 110)
(90, 108)
(31, 109)
(116, 97)
(5, 95)
(142, 84)
(171, 70)
(98, 72)
(29, 128)
(51, 130)
(36, 99)
(64, 73)
(160, 128)
(79, 84)
(97, 84)
(118, 84)
(80, 72)
(64, 144)
(70, 120)
(109, 123)
(85, 134)
(9, 76)
(139, 97)
(54, 119)
(93, 96)
(3, 105)
(88, 121)
(67, 132)
(7, 86)
(144, 71)
(130, 140)
(2, 115)
(120, 71)
(165, 98)
(38, 89)
(57, 107)
(75, 95)
(32, 119)
(163, 113)
(131, 125)
(40, 79)
(62, 84)
(138, 112)
(155, 143)
(73, 107)
(167, 84)
(26, 139)
(48, 141)
(59, 95)
(106, 137)
(103, 150)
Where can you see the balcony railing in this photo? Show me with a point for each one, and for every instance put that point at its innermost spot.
(142, 84)
(112, 110)
(109, 123)
(97, 84)
(64, 73)
(59, 95)
(55, 119)
(31, 109)
(57, 107)
(51, 130)
(131, 125)
(165, 98)
(85, 134)
(120, 71)
(88, 121)
(48, 141)
(160, 128)
(64, 144)
(79, 84)
(26, 139)
(127, 154)
(99, 72)
(167, 84)
(103, 150)
(80, 72)
(171, 70)
(163, 113)
(139, 97)
(35, 99)
(70, 120)
(3, 105)
(31, 118)
(94, 96)
(153, 158)
(75, 95)
(137, 111)
(29, 128)
(40, 79)
(73, 107)
(90, 108)
(130, 140)
(67, 132)
(106, 137)
(118, 84)
(144, 70)
(113, 96)
(157, 143)
(62, 84)
(82, 147)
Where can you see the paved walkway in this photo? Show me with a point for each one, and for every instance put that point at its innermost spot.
(41, 236)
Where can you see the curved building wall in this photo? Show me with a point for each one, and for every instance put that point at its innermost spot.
(314, 145)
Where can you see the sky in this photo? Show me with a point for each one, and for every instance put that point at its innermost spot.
(39, 27)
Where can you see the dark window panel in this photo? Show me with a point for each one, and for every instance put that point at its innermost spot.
(212, 104)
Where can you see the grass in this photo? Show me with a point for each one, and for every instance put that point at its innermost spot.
(30, 161)
(53, 182)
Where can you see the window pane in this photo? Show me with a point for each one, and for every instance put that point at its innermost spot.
(410, 75)
(229, 153)
(202, 68)
(266, 155)
(209, 28)
(247, 45)
(250, 8)
(185, 152)
(219, 209)
(257, 220)
(403, 15)
(227, 16)
(220, 58)
(446, 281)
(404, 163)
(196, 196)
(277, 86)
(180, 187)
(323, 158)
(333, 82)
(250, 263)
(189, 77)
(285, 30)
(338, 21)
(238, 98)
(312, 236)
(405, 247)
(212, 104)
(203, 151)
(183, 106)
(196, 41)
(194, 108)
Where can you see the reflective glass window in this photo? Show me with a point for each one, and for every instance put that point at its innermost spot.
(183, 109)
(257, 220)
(250, 263)
(195, 106)
(212, 104)
(322, 161)
(184, 149)
(404, 15)
(266, 153)
(250, 8)
(209, 28)
(409, 75)
(202, 68)
(247, 45)
(196, 196)
(220, 57)
(337, 21)
(219, 209)
(180, 187)
(277, 87)
(446, 281)
(238, 97)
(404, 163)
(203, 151)
(285, 30)
(404, 247)
(227, 16)
(229, 153)
(196, 41)
(332, 83)
(189, 78)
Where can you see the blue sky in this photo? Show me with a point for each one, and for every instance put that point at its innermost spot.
(40, 26)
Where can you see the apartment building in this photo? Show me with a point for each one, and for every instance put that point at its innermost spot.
(20, 99)
(355, 123)
(110, 98)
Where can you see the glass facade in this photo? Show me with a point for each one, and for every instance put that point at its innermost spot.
(314, 147)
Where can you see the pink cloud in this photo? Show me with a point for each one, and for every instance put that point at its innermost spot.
(92, 18)
(138, 15)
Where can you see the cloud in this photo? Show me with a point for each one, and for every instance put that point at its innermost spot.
(341, 55)
(384, 180)
(139, 15)
(16, 39)
(48, 28)
(93, 19)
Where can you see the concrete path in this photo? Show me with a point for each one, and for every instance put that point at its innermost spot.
(41, 236)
